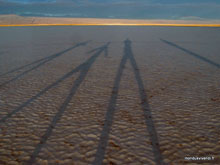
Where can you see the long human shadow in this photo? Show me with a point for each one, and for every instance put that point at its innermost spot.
(84, 68)
(45, 58)
(100, 153)
(41, 63)
(191, 53)
(77, 69)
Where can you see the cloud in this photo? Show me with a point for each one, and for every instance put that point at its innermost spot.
(31, 1)
(118, 2)
(139, 9)
(191, 18)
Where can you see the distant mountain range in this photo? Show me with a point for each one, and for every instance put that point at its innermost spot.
(127, 9)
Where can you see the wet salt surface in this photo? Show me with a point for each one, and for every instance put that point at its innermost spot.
(151, 99)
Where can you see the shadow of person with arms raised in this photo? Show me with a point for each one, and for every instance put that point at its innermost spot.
(104, 137)
(83, 72)
(39, 63)
(67, 75)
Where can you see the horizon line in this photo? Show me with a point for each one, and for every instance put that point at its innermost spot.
(114, 24)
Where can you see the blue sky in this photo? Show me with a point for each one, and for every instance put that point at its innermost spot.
(134, 9)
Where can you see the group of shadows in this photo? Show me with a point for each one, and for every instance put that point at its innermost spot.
(83, 70)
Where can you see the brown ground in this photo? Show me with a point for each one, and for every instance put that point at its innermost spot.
(60, 99)
(14, 19)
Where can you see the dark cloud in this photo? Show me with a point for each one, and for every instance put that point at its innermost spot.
(134, 9)
(117, 1)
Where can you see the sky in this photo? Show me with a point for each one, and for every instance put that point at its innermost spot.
(127, 9)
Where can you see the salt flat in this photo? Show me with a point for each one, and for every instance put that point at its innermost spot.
(109, 95)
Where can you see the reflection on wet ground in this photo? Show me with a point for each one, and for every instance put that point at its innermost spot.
(109, 95)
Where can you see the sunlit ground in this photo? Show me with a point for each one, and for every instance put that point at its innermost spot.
(109, 95)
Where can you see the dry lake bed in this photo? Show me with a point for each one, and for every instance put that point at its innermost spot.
(109, 95)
